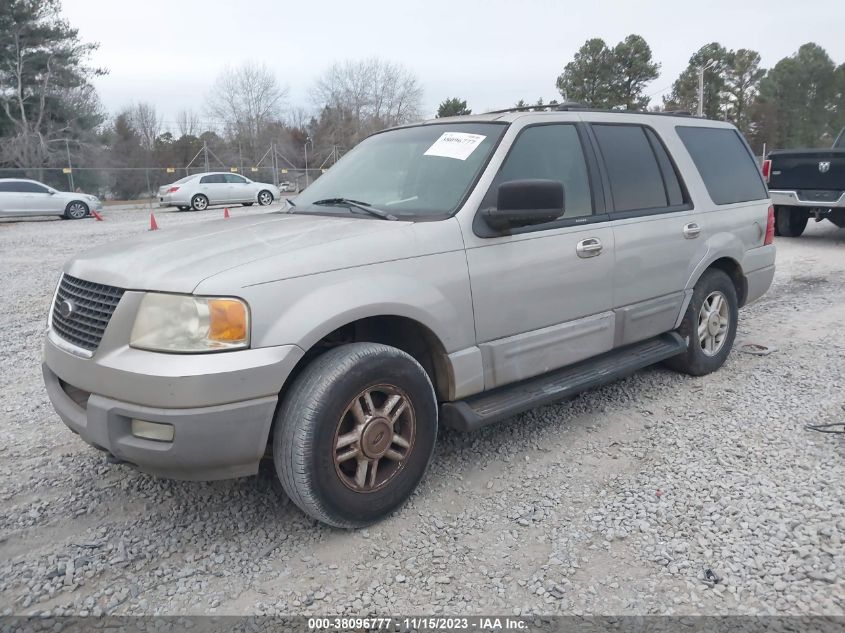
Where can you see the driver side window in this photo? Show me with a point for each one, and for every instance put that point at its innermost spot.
(549, 152)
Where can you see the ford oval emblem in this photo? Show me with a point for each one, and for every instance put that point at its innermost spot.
(67, 308)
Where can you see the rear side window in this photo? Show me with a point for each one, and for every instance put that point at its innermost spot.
(549, 152)
(727, 167)
(635, 178)
(213, 179)
(5, 187)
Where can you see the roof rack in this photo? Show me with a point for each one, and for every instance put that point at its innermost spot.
(569, 106)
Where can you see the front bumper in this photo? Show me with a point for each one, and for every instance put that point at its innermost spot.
(794, 199)
(219, 442)
(220, 405)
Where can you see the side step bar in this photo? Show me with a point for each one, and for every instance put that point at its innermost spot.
(491, 406)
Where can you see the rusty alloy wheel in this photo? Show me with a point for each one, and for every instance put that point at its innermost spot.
(374, 437)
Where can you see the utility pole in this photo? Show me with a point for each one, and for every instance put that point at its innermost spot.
(701, 70)
(69, 166)
(307, 140)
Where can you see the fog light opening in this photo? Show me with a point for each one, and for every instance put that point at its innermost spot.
(156, 431)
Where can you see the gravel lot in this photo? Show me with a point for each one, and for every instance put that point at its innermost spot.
(617, 502)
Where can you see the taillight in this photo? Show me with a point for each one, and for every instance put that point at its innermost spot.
(173, 189)
(767, 169)
(770, 227)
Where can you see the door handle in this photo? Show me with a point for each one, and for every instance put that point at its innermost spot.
(692, 230)
(589, 247)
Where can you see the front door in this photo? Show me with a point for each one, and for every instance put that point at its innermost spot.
(542, 294)
(238, 189)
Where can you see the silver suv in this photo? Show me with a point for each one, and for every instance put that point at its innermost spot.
(455, 272)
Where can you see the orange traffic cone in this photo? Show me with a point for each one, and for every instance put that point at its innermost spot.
(153, 224)
(97, 216)
(225, 213)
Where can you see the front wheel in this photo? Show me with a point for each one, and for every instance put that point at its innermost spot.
(265, 197)
(355, 433)
(709, 325)
(790, 222)
(76, 210)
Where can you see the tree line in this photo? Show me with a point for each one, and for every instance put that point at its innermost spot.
(800, 101)
(50, 112)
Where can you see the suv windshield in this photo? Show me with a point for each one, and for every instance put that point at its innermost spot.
(417, 171)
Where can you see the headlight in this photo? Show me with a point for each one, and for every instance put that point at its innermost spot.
(183, 323)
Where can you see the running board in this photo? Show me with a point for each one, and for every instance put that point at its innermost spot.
(494, 405)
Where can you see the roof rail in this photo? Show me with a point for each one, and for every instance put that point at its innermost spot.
(569, 106)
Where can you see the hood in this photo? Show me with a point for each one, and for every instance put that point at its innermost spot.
(264, 247)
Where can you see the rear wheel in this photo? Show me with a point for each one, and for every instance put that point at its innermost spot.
(76, 210)
(355, 433)
(199, 202)
(709, 325)
(265, 197)
(790, 221)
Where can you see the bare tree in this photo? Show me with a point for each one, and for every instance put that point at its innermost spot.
(368, 95)
(187, 123)
(146, 123)
(246, 99)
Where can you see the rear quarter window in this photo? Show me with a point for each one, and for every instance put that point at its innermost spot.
(725, 163)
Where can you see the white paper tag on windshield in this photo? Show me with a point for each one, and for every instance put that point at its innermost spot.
(455, 145)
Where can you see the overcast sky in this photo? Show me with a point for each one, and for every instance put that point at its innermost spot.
(491, 53)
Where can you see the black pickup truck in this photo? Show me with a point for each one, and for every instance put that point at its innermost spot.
(805, 183)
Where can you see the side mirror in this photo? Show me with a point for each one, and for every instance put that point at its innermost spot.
(526, 202)
(51, 192)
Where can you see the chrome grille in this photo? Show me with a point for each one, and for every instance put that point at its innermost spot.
(92, 307)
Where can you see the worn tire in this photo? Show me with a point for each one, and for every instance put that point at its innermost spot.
(76, 210)
(304, 439)
(790, 221)
(199, 202)
(694, 361)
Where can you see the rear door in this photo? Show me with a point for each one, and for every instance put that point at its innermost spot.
(541, 300)
(657, 234)
(214, 187)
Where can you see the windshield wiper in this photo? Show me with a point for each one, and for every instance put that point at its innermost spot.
(356, 204)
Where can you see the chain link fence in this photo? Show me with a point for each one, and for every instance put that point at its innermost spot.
(134, 183)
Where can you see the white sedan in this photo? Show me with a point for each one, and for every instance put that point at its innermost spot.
(199, 191)
(23, 197)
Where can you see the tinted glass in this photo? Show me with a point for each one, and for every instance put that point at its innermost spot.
(549, 152)
(233, 179)
(674, 192)
(424, 170)
(5, 187)
(635, 178)
(727, 167)
(213, 179)
(32, 187)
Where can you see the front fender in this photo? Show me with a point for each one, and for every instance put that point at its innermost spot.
(432, 290)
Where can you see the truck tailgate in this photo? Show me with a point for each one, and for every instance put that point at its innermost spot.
(808, 170)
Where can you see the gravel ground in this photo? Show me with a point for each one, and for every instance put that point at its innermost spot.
(658, 494)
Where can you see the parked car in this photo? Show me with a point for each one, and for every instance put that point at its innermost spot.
(24, 197)
(807, 183)
(455, 272)
(287, 186)
(199, 191)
